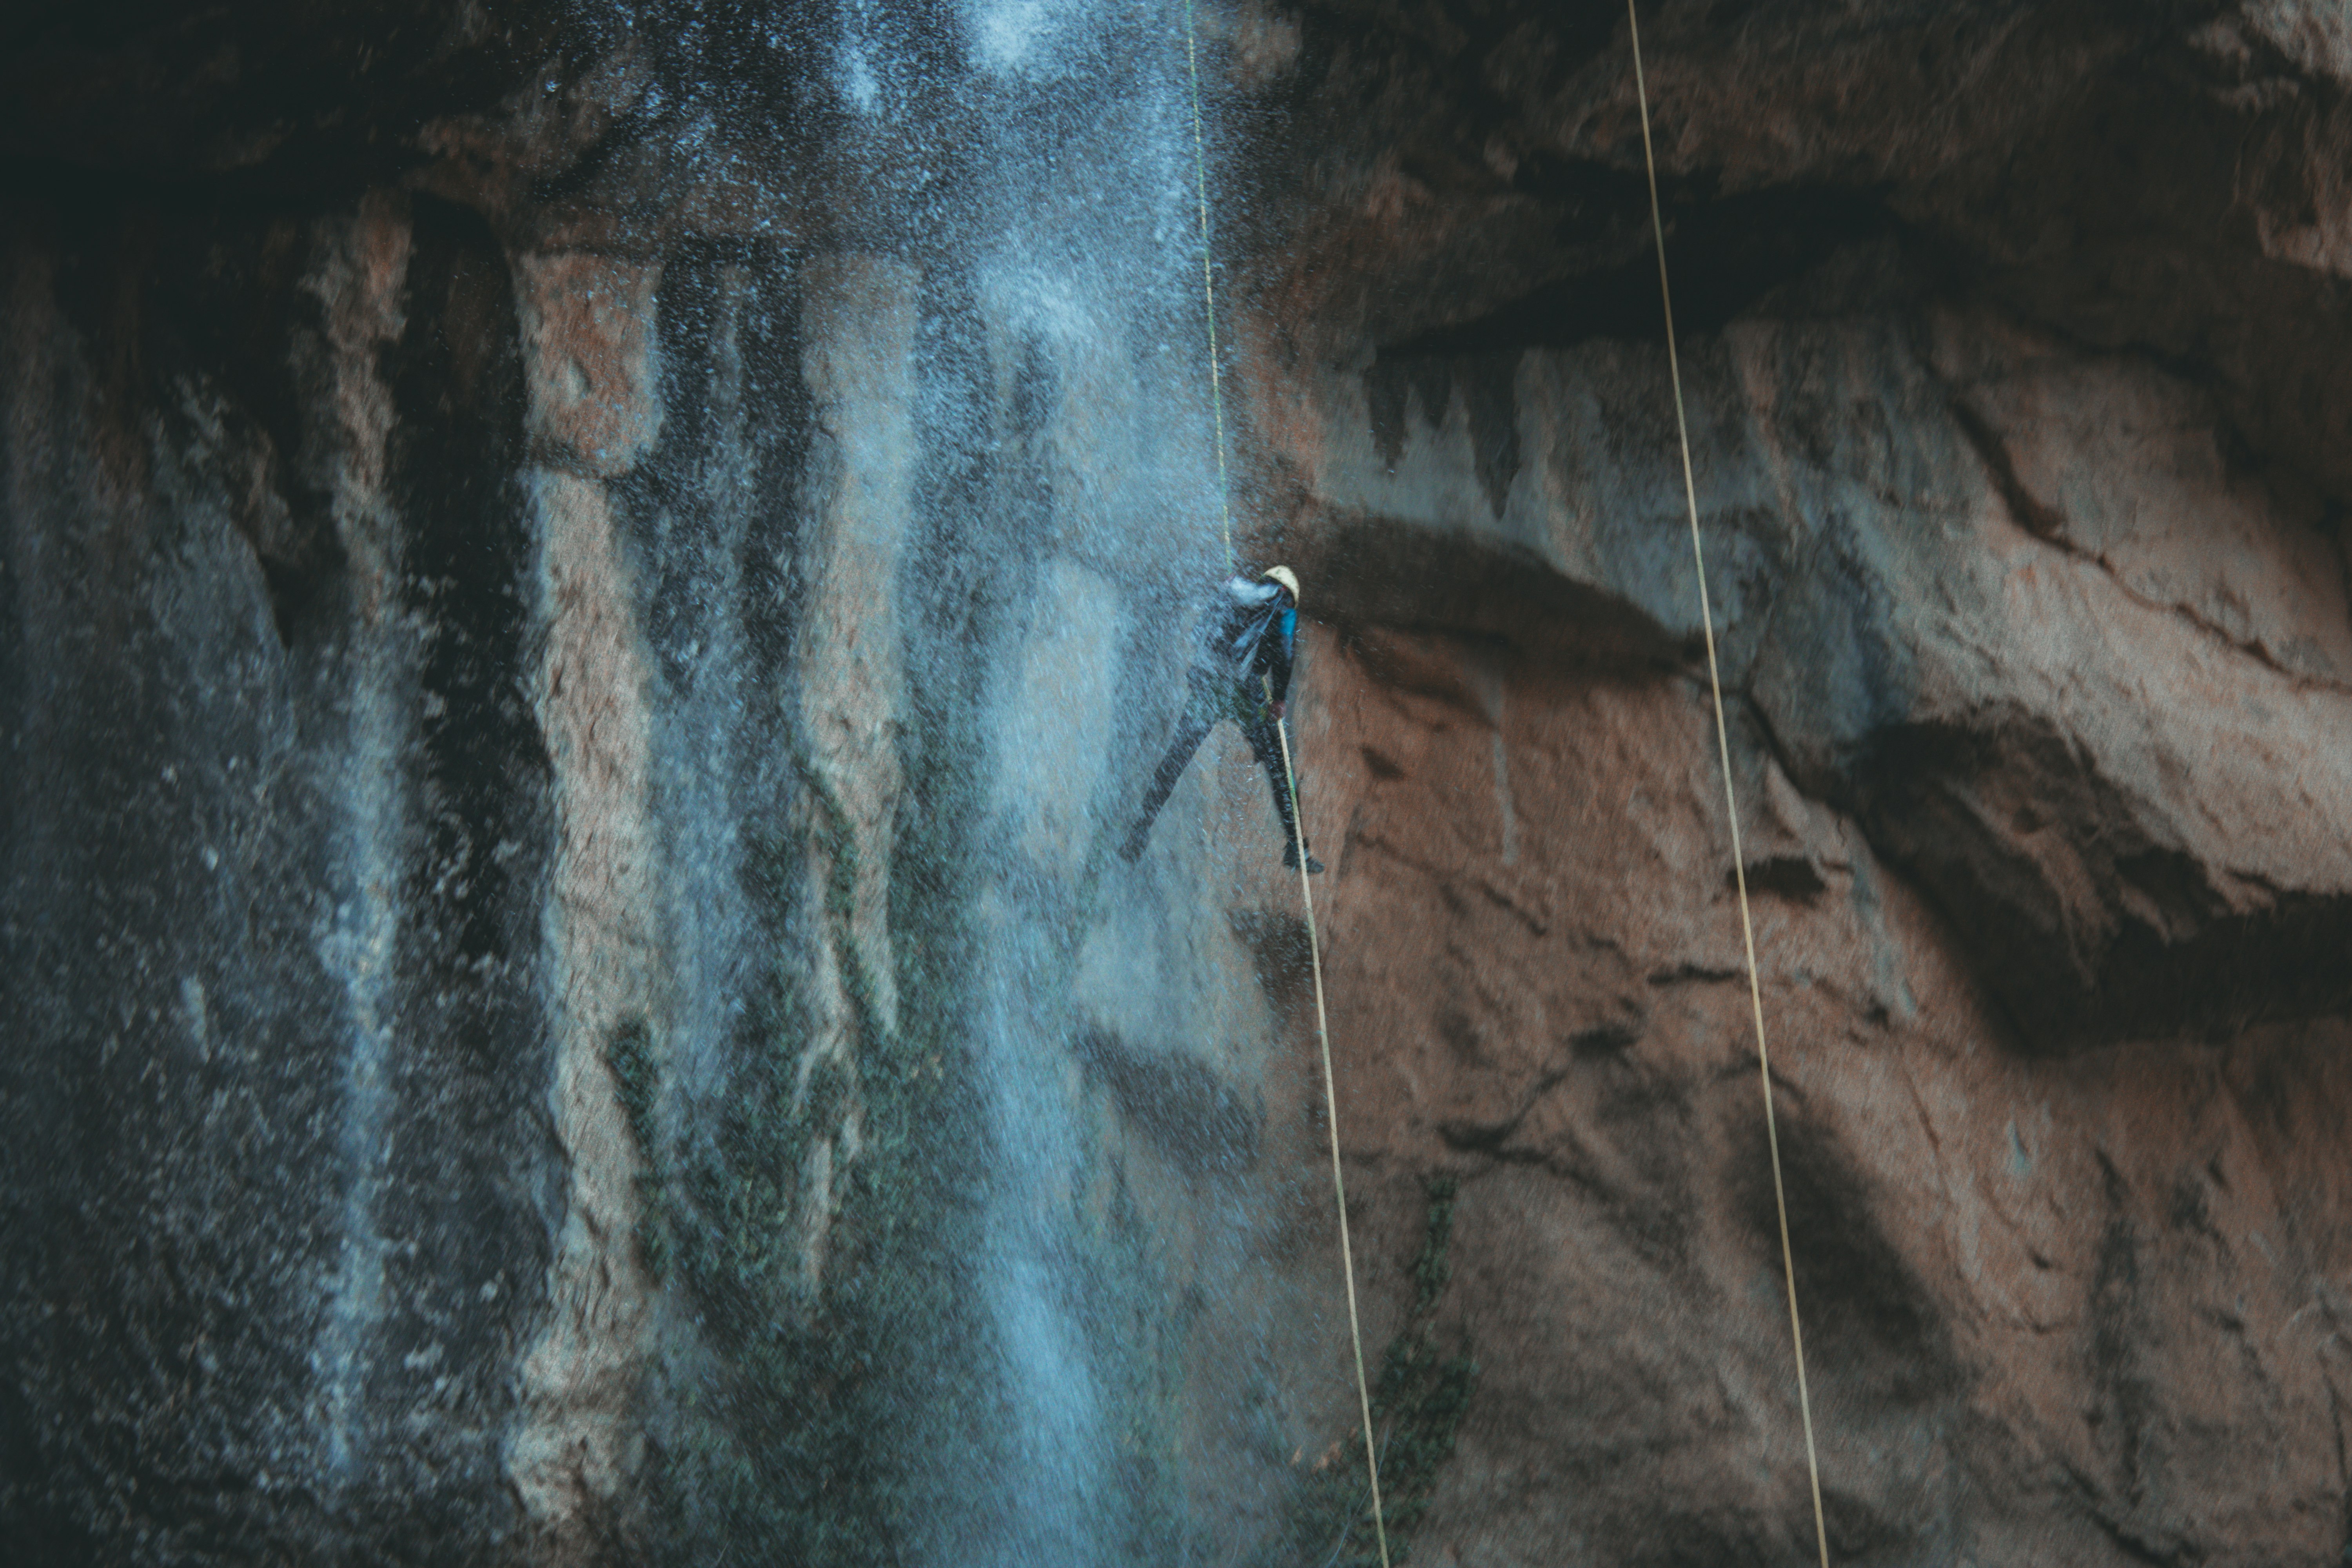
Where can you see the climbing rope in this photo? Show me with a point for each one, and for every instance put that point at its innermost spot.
(1209, 282)
(1730, 797)
(1331, 1119)
(1290, 783)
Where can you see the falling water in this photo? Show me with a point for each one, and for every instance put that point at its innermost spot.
(1006, 501)
(1071, 244)
(1080, 249)
(563, 858)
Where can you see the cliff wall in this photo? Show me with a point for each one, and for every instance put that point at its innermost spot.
(577, 649)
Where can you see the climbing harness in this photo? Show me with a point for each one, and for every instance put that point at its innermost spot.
(1730, 798)
(1290, 783)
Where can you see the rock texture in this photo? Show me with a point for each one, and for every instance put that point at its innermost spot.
(545, 741)
(2032, 597)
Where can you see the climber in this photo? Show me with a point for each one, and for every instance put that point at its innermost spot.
(1241, 671)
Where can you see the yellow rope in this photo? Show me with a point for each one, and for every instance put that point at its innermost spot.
(1331, 1116)
(1208, 281)
(1730, 799)
(1290, 781)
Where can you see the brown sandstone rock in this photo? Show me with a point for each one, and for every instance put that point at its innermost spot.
(2050, 634)
(2022, 1276)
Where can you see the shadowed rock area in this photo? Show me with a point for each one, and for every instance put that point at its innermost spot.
(587, 589)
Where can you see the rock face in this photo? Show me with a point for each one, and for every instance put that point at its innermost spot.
(2032, 597)
(586, 599)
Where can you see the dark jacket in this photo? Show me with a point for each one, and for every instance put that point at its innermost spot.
(1250, 633)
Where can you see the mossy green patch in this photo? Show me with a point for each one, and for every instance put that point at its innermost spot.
(783, 1435)
(636, 1078)
(630, 1056)
(1418, 1402)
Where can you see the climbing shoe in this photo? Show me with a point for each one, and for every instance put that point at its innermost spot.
(1290, 858)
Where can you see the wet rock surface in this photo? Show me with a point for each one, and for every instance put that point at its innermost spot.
(572, 1000)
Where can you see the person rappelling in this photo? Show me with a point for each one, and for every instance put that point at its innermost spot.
(1241, 671)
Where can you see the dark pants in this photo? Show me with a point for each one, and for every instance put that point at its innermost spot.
(1211, 699)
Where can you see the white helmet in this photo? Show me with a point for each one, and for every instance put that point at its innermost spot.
(1283, 576)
